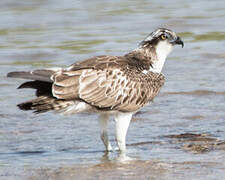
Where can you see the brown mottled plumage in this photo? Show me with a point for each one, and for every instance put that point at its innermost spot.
(119, 85)
(108, 83)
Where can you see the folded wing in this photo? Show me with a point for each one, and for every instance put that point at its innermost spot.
(107, 89)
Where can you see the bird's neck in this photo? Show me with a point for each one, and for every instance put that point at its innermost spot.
(162, 50)
(153, 58)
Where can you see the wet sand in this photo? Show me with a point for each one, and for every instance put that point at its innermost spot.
(154, 170)
(205, 164)
(197, 144)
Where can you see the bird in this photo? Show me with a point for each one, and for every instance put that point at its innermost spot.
(107, 85)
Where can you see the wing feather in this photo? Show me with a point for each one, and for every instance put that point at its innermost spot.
(109, 87)
(104, 82)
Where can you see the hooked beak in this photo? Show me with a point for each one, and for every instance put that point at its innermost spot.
(178, 41)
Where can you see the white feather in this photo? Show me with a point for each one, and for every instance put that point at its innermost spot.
(163, 49)
(145, 71)
(77, 107)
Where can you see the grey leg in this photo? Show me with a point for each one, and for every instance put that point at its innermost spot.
(122, 123)
(103, 122)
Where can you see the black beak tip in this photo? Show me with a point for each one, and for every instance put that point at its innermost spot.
(182, 44)
(179, 41)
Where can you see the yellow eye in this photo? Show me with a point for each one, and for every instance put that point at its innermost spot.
(163, 37)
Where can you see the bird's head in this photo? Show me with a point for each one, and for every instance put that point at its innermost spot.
(160, 42)
(162, 36)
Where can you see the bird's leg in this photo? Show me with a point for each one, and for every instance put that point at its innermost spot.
(122, 123)
(103, 122)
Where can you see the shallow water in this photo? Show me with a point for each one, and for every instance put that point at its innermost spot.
(181, 134)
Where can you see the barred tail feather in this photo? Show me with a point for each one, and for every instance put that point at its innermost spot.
(44, 104)
(45, 100)
(38, 74)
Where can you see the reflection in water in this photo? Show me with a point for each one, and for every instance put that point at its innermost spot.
(116, 157)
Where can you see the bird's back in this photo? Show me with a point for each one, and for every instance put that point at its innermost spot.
(103, 83)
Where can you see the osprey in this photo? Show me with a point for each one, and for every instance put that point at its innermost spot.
(107, 85)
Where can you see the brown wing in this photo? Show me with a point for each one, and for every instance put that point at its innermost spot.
(108, 84)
